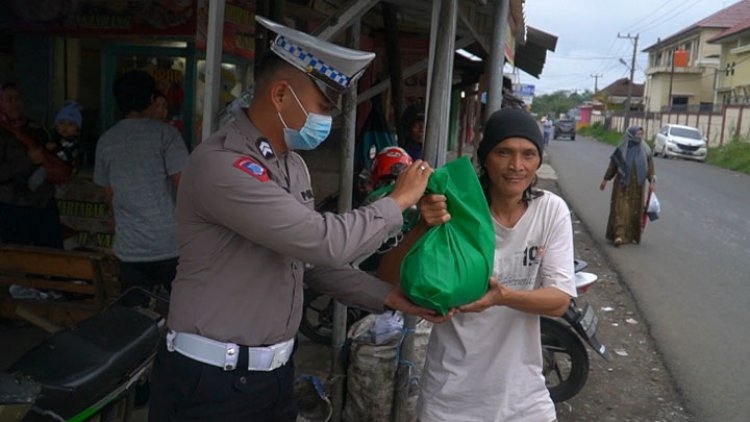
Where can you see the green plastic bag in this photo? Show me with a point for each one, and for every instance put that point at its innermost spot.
(451, 264)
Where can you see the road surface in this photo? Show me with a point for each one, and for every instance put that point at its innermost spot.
(691, 273)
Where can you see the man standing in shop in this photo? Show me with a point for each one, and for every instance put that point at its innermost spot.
(139, 162)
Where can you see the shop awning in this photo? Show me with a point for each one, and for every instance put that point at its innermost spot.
(531, 56)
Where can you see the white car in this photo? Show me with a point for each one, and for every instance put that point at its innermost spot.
(681, 141)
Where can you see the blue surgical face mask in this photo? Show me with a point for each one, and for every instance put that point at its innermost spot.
(313, 132)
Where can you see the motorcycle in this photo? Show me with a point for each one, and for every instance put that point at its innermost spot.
(565, 360)
(90, 369)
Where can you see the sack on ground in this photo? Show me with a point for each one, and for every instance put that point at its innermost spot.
(371, 374)
(451, 264)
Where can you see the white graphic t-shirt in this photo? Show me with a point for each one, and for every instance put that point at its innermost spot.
(488, 366)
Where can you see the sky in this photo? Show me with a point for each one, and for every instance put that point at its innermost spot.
(587, 41)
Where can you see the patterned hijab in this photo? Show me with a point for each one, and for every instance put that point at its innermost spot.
(632, 153)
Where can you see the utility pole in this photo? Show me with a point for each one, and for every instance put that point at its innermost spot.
(632, 74)
(596, 82)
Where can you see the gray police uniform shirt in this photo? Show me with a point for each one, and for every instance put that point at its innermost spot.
(136, 158)
(247, 228)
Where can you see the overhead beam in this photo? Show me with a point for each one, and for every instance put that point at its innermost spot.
(390, 22)
(349, 13)
(468, 19)
(410, 71)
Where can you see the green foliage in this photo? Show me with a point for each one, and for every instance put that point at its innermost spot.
(597, 131)
(559, 102)
(734, 156)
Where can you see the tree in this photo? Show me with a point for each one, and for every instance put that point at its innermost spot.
(559, 102)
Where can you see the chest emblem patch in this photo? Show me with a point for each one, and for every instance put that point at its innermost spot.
(251, 167)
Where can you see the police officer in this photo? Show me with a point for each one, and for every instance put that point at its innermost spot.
(248, 234)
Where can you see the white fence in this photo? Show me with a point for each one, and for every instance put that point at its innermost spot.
(719, 128)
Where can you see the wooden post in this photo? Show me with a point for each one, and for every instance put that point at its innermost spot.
(390, 22)
(723, 125)
(739, 123)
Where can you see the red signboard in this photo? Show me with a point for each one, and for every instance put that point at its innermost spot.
(239, 27)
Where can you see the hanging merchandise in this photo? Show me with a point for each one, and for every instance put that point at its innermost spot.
(451, 264)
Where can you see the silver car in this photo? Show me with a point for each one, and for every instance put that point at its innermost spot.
(681, 141)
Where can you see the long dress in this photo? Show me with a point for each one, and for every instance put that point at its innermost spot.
(626, 205)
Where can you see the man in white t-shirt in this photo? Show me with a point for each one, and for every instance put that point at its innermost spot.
(486, 363)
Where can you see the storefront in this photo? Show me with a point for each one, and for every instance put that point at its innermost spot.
(58, 51)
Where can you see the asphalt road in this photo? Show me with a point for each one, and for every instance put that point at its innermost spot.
(691, 273)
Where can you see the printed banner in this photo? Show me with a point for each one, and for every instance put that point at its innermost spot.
(239, 27)
(97, 17)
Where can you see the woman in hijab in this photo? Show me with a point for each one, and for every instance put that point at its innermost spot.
(630, 165)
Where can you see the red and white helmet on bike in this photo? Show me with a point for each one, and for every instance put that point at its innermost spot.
(388, 164)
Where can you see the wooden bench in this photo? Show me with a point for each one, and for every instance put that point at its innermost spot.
(87, 281)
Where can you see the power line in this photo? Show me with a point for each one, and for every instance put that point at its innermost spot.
(649, 15)
(654, 22)
(620, 49)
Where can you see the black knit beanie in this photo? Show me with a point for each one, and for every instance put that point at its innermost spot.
(509, 123)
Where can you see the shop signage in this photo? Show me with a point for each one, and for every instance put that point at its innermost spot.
(239, 27)
(96, 17)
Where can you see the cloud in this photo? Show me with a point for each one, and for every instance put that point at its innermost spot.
(587, 36)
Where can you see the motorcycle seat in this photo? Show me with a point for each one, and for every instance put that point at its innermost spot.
(92, 357)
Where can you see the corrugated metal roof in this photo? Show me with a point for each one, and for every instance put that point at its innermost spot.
(475, 21)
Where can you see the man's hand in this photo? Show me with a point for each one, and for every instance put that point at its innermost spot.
(411, 184)
(434, 210)
(398, 301)
(495, 296)
(603, 184)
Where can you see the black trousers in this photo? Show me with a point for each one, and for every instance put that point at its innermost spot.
(183, 389)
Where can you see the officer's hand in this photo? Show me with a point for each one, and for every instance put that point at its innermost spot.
(411, 184)
(434, 210)
(398, 301)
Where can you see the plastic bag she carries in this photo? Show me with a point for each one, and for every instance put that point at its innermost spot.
(450, 265)
(654, 208)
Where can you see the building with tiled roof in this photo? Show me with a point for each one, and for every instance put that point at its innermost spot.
(692, 85)
(617, 94)
(733, 77)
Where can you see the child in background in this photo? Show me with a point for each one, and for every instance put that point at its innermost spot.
(64, 143)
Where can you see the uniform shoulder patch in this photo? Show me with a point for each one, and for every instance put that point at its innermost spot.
(251, 167)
